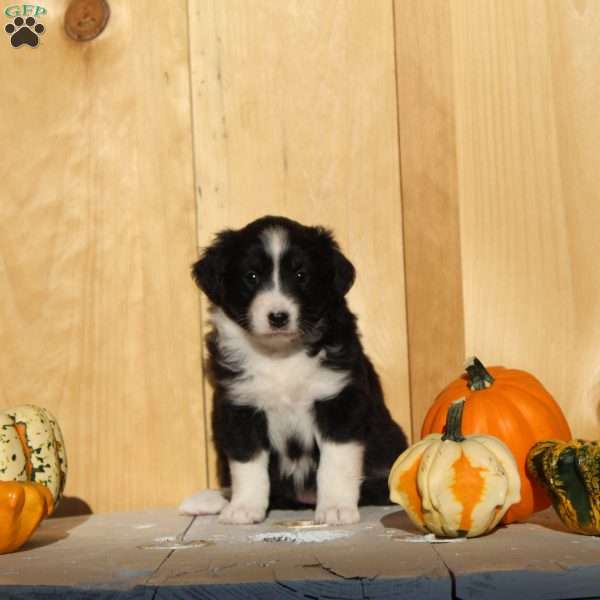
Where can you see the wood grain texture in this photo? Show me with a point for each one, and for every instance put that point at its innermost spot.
(74, 558)
(527, 82)
(97, 556)
(429, 198)
(295, 114)
(99, 321)
(296, 109)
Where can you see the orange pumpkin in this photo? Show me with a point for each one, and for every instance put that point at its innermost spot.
(511, 405)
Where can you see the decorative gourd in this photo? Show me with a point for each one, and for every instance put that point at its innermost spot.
(511, 405)
(570, 473)
(23, 505)
(32, 448)
(455, 486)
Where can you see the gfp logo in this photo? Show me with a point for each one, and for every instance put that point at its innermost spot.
(24, 28)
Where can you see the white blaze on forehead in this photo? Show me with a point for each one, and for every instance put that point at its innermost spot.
(272, 299)
(275, 242)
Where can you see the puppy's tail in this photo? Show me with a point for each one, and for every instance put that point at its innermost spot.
(205, 502)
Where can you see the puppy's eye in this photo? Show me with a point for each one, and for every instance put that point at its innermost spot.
(301, 275)
(251, 278)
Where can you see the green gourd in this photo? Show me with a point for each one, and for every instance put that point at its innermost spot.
(570, 474)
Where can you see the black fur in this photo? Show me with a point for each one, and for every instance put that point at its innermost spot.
(358, 413)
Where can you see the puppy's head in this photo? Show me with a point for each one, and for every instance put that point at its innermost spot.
(275, 278)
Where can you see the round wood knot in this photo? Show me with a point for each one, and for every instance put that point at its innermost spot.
(86, 19)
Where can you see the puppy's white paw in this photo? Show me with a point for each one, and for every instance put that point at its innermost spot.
(206, 502)
(242, 514)
(337, 515)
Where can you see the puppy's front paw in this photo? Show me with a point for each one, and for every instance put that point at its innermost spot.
(337, 515)
(206, 502)
(242, 514)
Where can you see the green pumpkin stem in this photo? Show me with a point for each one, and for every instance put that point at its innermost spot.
(479, 376)
(453, 428)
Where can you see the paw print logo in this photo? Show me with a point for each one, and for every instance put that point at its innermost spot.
(24, 31)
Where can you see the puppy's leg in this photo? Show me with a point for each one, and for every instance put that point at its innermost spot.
(250, 488)
(338, 483)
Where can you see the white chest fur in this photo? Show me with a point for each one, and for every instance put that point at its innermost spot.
(293, 382)
(284, 385)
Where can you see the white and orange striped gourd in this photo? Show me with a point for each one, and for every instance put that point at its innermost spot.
(455, 486)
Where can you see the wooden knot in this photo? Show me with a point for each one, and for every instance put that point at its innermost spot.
(86, 19)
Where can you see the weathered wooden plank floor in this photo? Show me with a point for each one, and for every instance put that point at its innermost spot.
(159, 554)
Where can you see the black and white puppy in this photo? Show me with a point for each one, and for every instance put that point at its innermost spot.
(298, 414)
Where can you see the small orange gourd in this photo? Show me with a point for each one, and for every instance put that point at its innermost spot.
(23, 505)
(33, 470)
(511, 405)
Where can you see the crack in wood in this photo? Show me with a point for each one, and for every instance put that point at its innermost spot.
(179, 538)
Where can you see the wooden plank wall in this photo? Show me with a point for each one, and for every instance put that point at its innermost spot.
(295, 114)
(430, 199)
(498, 120)
(98, 319)
(452, 146)
(526, 89)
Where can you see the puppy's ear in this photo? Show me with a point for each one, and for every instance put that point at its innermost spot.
(343, 269)
(343, 273)
(209, 271)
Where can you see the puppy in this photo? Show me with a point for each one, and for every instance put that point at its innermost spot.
(298, 413)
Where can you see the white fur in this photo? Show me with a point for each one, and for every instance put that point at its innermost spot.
(206, 502)
(338, 483)
(275, 242)
(284, 384)
(272, 299)
(287, 421)
(275, 379)
(250, 488)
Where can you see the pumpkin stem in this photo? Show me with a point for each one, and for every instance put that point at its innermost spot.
(479, 376)
(453, 428)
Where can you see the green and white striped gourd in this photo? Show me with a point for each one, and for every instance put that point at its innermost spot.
(32, 448)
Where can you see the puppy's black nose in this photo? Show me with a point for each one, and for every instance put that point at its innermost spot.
(278, 319)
